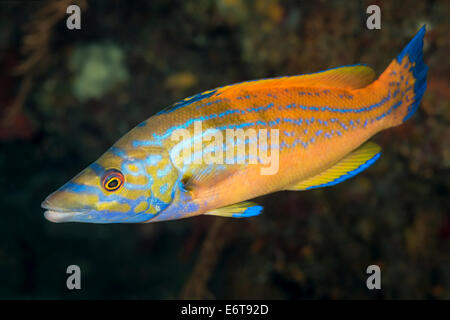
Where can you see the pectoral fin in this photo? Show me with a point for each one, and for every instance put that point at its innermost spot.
(207, 175)
(354, 163)
(239, 210)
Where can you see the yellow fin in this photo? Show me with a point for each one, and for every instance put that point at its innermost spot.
(347, 77)
(355, 162)
(239, 210)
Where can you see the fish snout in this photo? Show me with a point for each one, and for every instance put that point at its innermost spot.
(61, 207)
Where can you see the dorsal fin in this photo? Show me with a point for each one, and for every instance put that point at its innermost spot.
(347, 77)
(188, 101)
(351, 165)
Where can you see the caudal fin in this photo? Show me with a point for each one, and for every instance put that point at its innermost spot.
(406, 78)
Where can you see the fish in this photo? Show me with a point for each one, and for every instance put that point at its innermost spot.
(177, 163)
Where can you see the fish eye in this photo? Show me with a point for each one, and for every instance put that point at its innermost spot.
(112, 180)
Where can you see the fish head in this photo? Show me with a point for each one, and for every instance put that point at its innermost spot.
(122, 186)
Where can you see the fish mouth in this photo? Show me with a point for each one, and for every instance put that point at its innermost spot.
(60, 214)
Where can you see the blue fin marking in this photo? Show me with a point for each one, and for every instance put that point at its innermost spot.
(249, 212)
(349, 174)
(419, 70)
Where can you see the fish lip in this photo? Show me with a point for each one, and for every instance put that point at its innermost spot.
(59, 216)
(46, 205)
(55, 214)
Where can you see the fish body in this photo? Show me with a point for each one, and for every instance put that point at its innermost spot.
(315, 128)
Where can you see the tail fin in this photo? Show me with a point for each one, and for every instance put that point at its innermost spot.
(406, 78)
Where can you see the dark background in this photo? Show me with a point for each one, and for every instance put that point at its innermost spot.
(67, 95)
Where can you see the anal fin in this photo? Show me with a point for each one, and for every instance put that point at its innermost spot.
(354, 163)
(239, 210)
